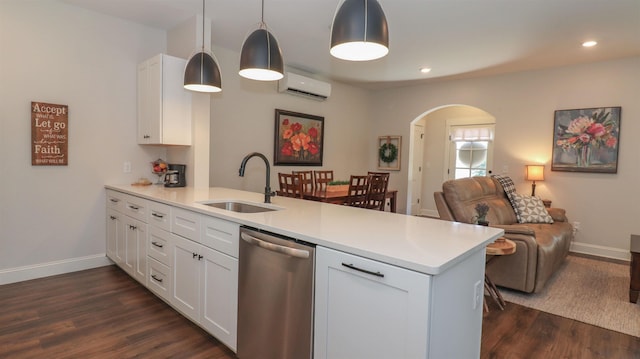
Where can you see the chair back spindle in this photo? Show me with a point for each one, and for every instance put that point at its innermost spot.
(290, 185)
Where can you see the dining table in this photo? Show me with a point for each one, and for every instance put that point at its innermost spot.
(340, 197)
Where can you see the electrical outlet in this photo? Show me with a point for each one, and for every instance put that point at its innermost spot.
(576, 225)
(126, 167)
(478, 294)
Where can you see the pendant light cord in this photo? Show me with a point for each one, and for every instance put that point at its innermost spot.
(203, 25)
(262, 24)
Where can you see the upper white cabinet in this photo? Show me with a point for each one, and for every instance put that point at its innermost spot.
(164, 106)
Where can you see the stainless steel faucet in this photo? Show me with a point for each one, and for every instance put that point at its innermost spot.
(267, 189)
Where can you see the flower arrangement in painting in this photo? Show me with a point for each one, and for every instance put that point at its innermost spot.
(583, 133)
(299, 142)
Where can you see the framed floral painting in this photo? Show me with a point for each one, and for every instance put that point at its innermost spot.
(298, 139)
(586, 140)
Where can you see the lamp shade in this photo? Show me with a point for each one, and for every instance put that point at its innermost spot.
(359, 31)
(261, 58)
(535, 173)
(202, 74)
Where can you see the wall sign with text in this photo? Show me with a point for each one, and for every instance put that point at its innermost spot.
(49, 134)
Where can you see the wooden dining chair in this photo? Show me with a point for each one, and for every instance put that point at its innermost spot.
(322, 179)
(358, 188)
(378, 183)
(290, 185)
(307, 180)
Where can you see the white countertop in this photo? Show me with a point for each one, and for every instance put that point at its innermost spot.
(425, 245)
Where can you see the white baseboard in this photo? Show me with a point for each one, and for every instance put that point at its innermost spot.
(19, 274)
(600, 251)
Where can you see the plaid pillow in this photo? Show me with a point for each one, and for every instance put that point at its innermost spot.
(509, 189)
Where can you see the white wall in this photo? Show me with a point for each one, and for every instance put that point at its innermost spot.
(523, 105)
(243, 121)
(53, 218)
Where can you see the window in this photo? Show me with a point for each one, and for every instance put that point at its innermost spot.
(471, 146)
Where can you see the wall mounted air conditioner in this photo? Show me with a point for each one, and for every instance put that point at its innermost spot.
(304, 86)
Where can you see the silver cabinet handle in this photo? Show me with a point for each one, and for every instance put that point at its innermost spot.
(298, 253)
(156, 278)
(157, 244)
(114, 200)
(134, 207)
(157, 215)
(351, 266)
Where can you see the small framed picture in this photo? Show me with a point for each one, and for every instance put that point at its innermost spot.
(298, 139)
(389, 150)
(586, 140)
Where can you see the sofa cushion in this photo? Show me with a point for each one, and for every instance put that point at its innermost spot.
(463, 194)
(530, 209)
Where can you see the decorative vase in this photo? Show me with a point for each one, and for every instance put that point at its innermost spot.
(584, 156)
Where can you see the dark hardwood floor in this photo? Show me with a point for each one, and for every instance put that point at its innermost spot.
(104, 313)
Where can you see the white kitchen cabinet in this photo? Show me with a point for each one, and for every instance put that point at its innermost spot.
(164, 106)
(186, 277)
(115, 236)
(205, 286)
(135, 249)
(368, 309)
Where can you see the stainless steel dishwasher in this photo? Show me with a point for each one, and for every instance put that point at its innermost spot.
(275, 296)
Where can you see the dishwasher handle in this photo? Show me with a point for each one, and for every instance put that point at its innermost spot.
(298, 253)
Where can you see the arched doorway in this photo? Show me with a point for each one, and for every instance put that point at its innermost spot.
(430, 152)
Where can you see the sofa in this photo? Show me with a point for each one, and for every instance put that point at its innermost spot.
(540, 247)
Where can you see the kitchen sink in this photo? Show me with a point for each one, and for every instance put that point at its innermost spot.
(240, 207)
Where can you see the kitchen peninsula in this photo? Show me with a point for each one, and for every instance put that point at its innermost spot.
(421, 297)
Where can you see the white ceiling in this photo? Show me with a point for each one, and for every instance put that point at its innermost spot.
(456, 38)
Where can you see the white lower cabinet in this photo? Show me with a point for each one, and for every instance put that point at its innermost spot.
(187, 259)
(160, 279)
(115, 236)
(367, 309)
(205, 288)
(135, 249)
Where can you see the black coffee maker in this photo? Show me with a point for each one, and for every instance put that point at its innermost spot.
(175, 176)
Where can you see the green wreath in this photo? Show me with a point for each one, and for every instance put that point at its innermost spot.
(393, 152)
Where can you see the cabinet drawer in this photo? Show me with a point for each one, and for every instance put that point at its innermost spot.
(159, 279)
(136, 207)
(158, 245)
(186, 223)
(160, 215)
(115, 200)
(220, 235)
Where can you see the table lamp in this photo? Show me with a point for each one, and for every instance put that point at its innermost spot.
(534, 173)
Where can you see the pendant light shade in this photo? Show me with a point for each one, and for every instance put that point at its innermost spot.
(359, 31)
(261, 58)
(202, 73)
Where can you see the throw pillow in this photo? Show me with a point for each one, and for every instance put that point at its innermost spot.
(509, 189)
(530, 209)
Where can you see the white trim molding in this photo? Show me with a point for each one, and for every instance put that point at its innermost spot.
(19, 274)
(600, 251)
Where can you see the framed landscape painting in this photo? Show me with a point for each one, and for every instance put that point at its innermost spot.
(298, 139)
(586, 140)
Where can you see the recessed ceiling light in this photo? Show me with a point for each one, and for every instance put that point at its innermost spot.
(589, 43)
(425, 70)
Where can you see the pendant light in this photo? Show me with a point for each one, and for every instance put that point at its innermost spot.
(261, 58)
(359, 31)
(202, 73)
